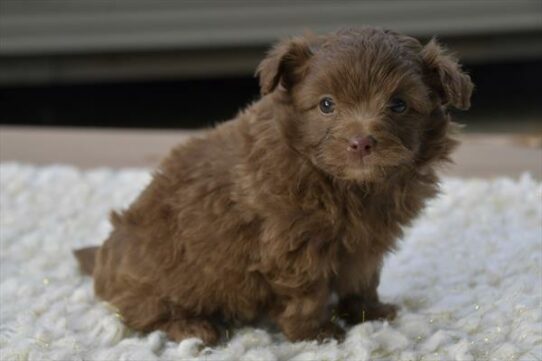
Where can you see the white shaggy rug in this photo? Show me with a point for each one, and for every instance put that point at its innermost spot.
(468, 277)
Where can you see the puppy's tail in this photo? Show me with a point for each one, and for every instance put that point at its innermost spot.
(86, 258)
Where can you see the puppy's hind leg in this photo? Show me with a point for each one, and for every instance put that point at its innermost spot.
(86, 258)
(153, 313)
(179, 329)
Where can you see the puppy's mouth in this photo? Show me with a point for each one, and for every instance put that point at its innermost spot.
(357, 160)
(337, 157)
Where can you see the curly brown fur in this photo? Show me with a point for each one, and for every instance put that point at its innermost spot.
(269, 214)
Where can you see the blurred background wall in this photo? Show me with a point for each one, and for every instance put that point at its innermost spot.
(177, 64)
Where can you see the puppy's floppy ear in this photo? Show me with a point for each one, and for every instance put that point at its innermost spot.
(285, 63)
(445, 76)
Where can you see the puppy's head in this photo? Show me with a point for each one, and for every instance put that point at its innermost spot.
(364, 103)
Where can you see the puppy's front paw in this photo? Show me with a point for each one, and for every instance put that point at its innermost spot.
(330, 330)
(353, 310)
(379, 311)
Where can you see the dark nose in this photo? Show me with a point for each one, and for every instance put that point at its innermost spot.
(362, 145)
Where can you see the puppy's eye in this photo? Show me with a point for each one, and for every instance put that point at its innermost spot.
(398, 105)
(327, 106)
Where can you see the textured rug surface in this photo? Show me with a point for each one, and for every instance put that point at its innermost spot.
(468, 278)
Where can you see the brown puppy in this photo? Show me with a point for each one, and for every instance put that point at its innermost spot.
(298, 197)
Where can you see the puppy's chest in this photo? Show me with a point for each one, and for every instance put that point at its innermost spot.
(369, 221)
